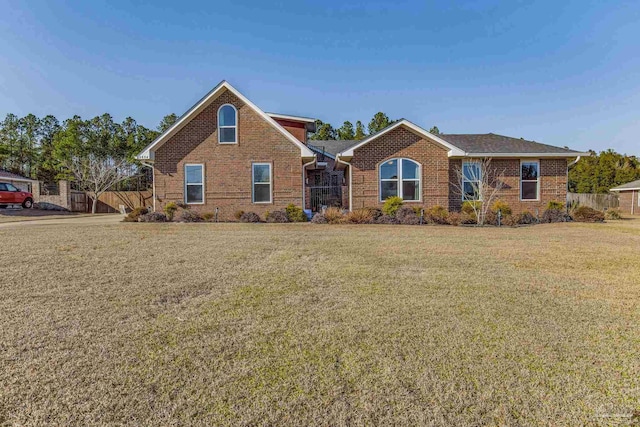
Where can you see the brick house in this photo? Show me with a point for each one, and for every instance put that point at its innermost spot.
(629, 196)
(225, 154)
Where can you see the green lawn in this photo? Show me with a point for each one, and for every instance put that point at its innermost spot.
(280, 324)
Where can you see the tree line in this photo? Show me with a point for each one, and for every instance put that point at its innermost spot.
(601, 171)
(43, 147)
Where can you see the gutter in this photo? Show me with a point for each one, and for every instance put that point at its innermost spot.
(153, 183)
(304, 181)
(350, 180)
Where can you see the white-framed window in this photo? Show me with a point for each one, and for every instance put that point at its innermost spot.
(471, 180)
(227, 124)
(261, 177)
(530, 180)
(194, 184)
(400, 177)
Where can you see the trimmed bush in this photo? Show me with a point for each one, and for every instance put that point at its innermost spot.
(387, 219)
(295, 214)
(277, 216)
(501, 206)
(170, 210)
(391, 205)
(153, 217)
(319, 219)
(436, 215)
(135, 214)
(525, 218)
(554, 204)
(360, 216)
(375, 213)
(208, 216)
(466, 218)
(251, 217)
(189, 216)
(587, 214)
(454, 218)
(611, 214)
(238, 214)
(407, 216)
(555, 215)
(468, 207)
(334, 215)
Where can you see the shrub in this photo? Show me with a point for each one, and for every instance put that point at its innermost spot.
(555, 215)
(554, 204)
(153, 217)
(387, 219)
(189, 216)
(417, 210)
(587, 214)
(295, 214)
(437, 215)
(182, 205)
(391, 205)
(319, 219)
(360, 216)
(454, 218)
(466, 218)
(470, 207)
(526, 217)
(238, 214)
(501, 206)
(375, 213)
(491, 218)
(250, 217)
(277, 216)
(334, 215)
(135, 214)
(612, 213)
(170, 210)
(208, 216)
(510, 220)
(407, 216)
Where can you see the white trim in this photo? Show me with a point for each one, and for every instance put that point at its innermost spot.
(148, 152)
(526, 155)
(292, 118)
(625, 189)
(202, 184)
(400, 179)
(479, 199)
(537, 181)
(234, 127)
(4, 179)
(253, 183)
(453, 150)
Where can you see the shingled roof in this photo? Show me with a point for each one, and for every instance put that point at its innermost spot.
(10, 176)
(633, 185)
(491, 143)
(331, 147)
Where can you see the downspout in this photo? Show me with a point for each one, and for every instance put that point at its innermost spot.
(633, 201)
(350, 181)
(568, 166)
(153, 183)
(304, 181)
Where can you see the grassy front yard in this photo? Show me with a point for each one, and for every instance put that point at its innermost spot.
(162, 324)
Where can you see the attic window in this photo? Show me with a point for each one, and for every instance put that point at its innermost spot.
(227, 124)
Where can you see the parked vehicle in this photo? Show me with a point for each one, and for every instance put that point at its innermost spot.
(10, 195)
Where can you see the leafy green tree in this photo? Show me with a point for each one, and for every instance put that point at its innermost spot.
(166, 122)
(379, 122)
(47, 165)
(434, 130)
(324, 132)
(346, 132)
(360, 132)
(600, 172)
(10, 143)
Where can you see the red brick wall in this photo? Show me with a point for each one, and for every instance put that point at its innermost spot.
(439, 172)
(296, 129)
(228, 166)
(629, 202)
(400, 143)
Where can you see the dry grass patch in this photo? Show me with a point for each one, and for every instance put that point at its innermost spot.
(276, 324)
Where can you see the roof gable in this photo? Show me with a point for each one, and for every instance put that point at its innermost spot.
(148, 152)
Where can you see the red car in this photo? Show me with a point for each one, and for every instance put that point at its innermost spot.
(10, 195)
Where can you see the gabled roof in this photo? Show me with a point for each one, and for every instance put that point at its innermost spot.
(490, 143)
(453, 150)
(633, 185)
(10, 176)
(331, 147)
(290, 117)
(148, 152)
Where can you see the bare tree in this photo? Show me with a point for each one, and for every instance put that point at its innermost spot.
(95, 175)
(478, 183)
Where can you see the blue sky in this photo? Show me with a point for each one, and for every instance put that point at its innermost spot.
(559, 72)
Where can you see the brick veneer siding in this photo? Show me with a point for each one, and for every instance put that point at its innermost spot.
(629, 202)
(400, 142)
(439, 172)
(228, 166)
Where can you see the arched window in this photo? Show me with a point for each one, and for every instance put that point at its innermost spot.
(227, 124)
(400, 177)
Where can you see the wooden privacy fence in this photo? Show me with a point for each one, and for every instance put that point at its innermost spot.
(595, 201)
(110, 201)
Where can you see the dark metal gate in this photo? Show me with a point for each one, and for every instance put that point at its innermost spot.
(325, 195)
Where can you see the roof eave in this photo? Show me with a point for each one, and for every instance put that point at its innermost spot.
(522, 155)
